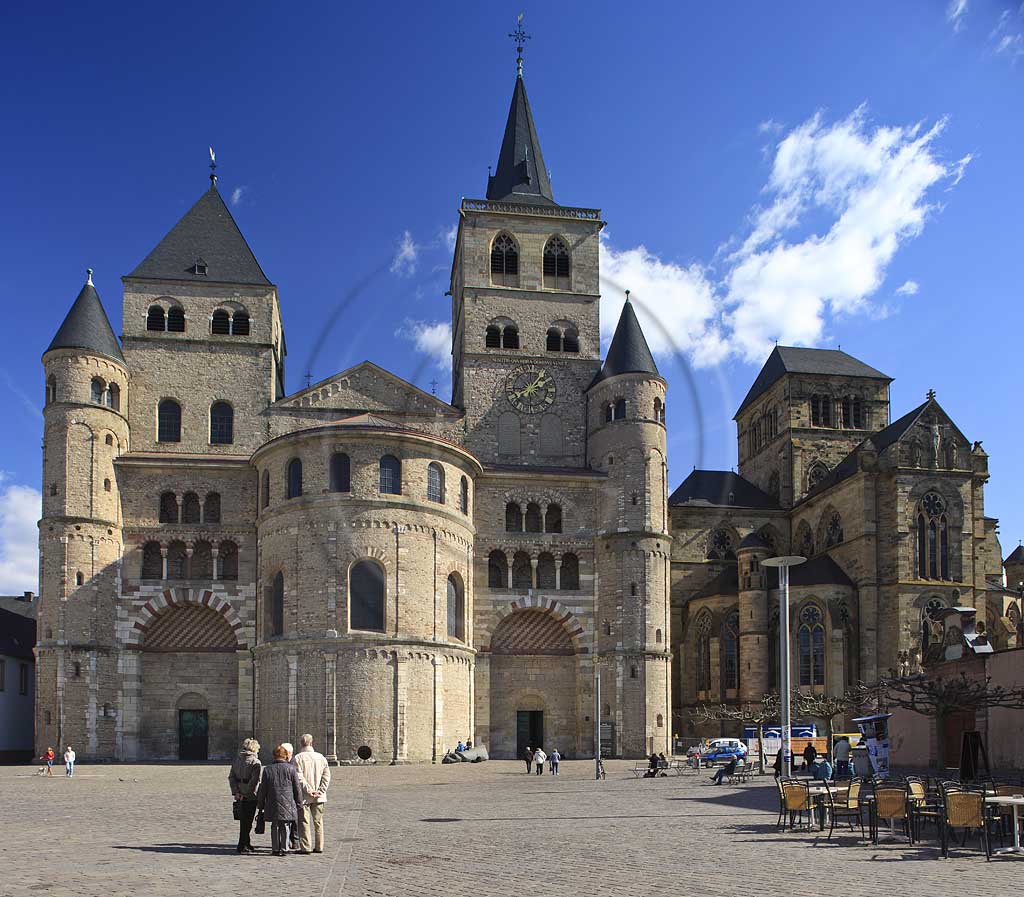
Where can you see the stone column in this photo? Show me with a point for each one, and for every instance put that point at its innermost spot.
(188, 561)
(163, 559)
(293, 693)
(482, 700)
(558, 574)
(330, 707)
(400, 746)
(533, 572)
(509, 569)
(438, 664)
(215, 553)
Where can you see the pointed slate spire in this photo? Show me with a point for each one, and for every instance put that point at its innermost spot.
(205, 245)
(87, 326)
(628, 352)
(521, 175)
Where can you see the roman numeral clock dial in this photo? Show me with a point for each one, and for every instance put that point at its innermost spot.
(530, 390)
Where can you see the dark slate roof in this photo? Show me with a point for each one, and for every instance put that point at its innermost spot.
(725, 583)
(628, 352)
(1016, 556)
(818, 571)
(208, 232)
(713, 487)
(87, 326)
(752, 540)
(793, 360)
(17, 635)
(521, 175)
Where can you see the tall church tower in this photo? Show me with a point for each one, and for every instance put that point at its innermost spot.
(80, 533)
(626, 414)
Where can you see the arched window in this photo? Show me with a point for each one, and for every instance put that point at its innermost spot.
(456, 608)
(657, 636)
(805, 539)
(220, 323)
(340, 473)
(190, 512)
(390, 475)
(816, 475)
(811, 643)
(108, 439)
(657, 409)
(155, 319)
(202, 561)
(464, 496)
(265, 490)
(168, 421)
(546, 571)
(176, 319)
(504, 261)
(222, 424)
(211, 508)
(51, 390)
(240, 323)
(570, 340)
(730, 652)
(773, 651)
(510, 337)
(177, 561)
(551, 434)
(533, 519)
(227, 554)
(834, 530)
(435, 482)
(556, 264)
(366, 596)
(570, 573)
(492, 338)
(497, 570)
(106, 484)
(704, 653)
(554, 340)
(821, 411)
(96, 389)
(932, 538)
(620, 409)
(553, 519)
(858, 413)
(513, 518)
(294, 478)
(168, 508)
(522, 571)
(79, 578)
(277, 605)
(930, 625)
(720, 547)
(508, 433)
(152, 561)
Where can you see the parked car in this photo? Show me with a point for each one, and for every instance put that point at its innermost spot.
(722, 750)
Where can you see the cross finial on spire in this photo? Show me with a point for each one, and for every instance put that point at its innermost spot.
(88, 277)
(520, 37)
(930, 394)
(627, 295)
(213, 168)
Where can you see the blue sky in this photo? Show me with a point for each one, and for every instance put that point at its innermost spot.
(767, 171)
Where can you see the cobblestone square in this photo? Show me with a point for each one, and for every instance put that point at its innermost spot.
(486, 829)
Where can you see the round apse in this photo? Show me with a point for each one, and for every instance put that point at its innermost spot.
(364, 752)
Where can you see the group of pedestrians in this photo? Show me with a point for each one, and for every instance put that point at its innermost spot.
(290, 794)
(536, 758)
(69, 762)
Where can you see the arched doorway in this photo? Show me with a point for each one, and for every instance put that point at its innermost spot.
(534, 685)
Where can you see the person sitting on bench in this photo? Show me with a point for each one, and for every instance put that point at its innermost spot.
(726, 770)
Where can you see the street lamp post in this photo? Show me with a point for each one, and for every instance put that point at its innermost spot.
(784, 563)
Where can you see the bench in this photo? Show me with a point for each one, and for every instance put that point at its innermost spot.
(740, 774)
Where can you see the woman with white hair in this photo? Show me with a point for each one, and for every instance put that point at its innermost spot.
(244, 780)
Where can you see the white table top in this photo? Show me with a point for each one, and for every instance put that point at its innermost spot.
(1005, 799)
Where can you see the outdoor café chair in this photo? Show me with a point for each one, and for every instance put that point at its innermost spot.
(891, 803)
(966, 810)
(846, 805)
(797, 801)
(924, 806)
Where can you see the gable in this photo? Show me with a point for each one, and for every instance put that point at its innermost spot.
(926, 437)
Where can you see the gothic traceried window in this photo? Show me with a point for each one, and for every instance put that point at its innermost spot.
(933, 538)
(834, 530)
(556, 264)
(720, 547)
(704, 653)
(816, 475)
(730, 652)
(811, 646)
(504, 261)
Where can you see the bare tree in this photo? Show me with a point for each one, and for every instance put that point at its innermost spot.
(938, 697)
(760, 715)
(828, 707)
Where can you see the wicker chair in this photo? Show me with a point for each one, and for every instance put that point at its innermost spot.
(846, 806)
(797, 801)
(966, 810)
(891, 803)
(780, 823)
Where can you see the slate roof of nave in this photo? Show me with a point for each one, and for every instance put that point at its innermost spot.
(797, 360)
(713, 487)
(1016, 556)
(818, 571)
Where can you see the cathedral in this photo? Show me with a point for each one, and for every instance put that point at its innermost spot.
(395, 573)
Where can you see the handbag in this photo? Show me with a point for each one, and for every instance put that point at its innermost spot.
(261, 824)
(236, 810)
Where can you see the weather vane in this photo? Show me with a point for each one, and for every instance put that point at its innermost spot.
(213, 167)
(520, 37)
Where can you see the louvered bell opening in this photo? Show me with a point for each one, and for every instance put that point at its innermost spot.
(221, 323)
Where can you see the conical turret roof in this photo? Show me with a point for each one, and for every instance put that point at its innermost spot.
(87, 326)
(628, 352)
(205, 245)
(521, 175)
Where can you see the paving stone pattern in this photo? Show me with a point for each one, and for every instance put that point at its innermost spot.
(460, 830)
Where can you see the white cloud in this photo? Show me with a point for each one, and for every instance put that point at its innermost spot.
(956, 12)
(431, 338)
(237, 194)
(908, 288)
(448, 235)
(1008, 35)
(20, 508)
(404, 262)
(769, 126)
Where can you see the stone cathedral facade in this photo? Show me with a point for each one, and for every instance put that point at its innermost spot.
(359, 559)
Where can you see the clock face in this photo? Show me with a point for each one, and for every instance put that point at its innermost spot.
(530, 390)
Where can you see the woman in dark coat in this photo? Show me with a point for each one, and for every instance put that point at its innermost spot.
(244, 780)
(280, 797)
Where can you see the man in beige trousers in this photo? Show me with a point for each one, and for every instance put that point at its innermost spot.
(317, 777)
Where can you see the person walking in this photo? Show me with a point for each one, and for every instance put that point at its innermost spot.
(295, 825)
(69, 762)
(316, 775)
(841, 752)
(244, 781)
(528, 757)
(538, 760)
(810, 755)
(49, 758)
(279, 797)
(554, 760)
